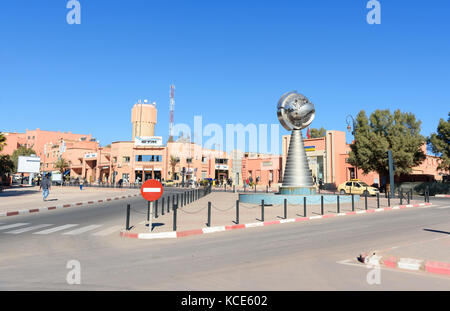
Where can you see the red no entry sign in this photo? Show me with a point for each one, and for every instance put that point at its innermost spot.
(151, 190)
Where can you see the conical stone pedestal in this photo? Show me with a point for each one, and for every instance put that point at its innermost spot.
(297, 177)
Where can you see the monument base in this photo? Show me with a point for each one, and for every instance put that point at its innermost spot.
(297, 190)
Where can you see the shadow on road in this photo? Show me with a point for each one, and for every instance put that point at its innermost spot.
(436, 231)
(15, 193)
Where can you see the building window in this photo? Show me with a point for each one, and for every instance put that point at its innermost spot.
(126, 159)
(126, 177)
(148, 158)
(204, 159)
(221, 161)
(189, 160)
(115, 159)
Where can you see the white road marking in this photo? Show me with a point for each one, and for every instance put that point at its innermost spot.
(108, 231)
(56, 229)
(82, 230)
(26, 229)
(152, 190)
(442, 207)
(13, 226)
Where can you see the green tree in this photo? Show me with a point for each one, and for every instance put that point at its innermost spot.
(399, 132)
(6, 167)
(440, 143)
(2, 141)
(173, 163)
(21, 151)
(62, 165)
(317, 133)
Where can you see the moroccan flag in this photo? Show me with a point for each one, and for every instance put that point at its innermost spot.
(307, 134)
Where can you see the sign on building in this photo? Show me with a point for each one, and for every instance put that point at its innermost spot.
(151, 141)
(90, 155)
(29, 164)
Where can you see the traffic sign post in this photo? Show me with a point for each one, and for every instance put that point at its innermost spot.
(151, 190)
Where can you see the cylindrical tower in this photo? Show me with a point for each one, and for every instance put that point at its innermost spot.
(143, 118)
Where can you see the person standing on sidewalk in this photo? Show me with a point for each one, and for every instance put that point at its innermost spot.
(45, 186)
(81, 183)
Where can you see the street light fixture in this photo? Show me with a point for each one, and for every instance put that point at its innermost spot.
(351, 124)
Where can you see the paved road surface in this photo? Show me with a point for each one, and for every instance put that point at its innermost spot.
(317, 255)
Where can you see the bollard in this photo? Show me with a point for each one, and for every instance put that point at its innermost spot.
(285, 208)
(321, 205)
(127, 225)
(408, 200)
(401, 196)
(168, 204)
(262, 210)
(304, 206)
(185, 198)
(237, 212)
(378, 200)
(162, 207)
(353, 202)
(255, 188)
(411, 194)
(267, 189)
(365, 200)
(234, 188)
(148, 210)
(389, 199)
(209, 215)
(175, 207)
(338, 204)
(156, 209)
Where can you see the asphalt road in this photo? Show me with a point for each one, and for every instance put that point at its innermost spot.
(314, 255)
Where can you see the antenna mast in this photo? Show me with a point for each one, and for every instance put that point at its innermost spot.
(172, 109)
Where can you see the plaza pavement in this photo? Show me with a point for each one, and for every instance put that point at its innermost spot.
(30, 198)
(194, 216)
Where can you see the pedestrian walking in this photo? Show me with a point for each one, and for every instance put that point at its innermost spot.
(45, 186)
(81, 184)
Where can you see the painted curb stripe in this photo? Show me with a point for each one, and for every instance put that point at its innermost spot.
(213, 229)
(409, 264)
(241, 226)
(189, 232)
(254, 224)
(437, 267)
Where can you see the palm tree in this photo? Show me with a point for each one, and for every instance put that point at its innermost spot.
(173, 163)
(2, 141)
(62, 165)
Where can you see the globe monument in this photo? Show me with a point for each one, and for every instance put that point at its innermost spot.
(295, 112)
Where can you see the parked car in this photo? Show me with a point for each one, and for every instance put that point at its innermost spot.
(355, 186)
(168, 183)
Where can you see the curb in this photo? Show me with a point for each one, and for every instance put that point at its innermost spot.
(410, 264)
(442, 196)
(180, 234)
(42, 209)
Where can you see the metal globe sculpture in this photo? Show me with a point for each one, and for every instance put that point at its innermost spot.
(295, 111)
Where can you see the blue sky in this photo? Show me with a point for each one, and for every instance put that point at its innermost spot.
(230, 62)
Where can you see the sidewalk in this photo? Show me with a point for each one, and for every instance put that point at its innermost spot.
(26, 198)
(194, 216)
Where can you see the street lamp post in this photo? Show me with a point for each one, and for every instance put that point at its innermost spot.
(352, 128)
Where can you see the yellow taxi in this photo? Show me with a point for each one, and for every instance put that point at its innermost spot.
(355, 186)
(168, 183)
